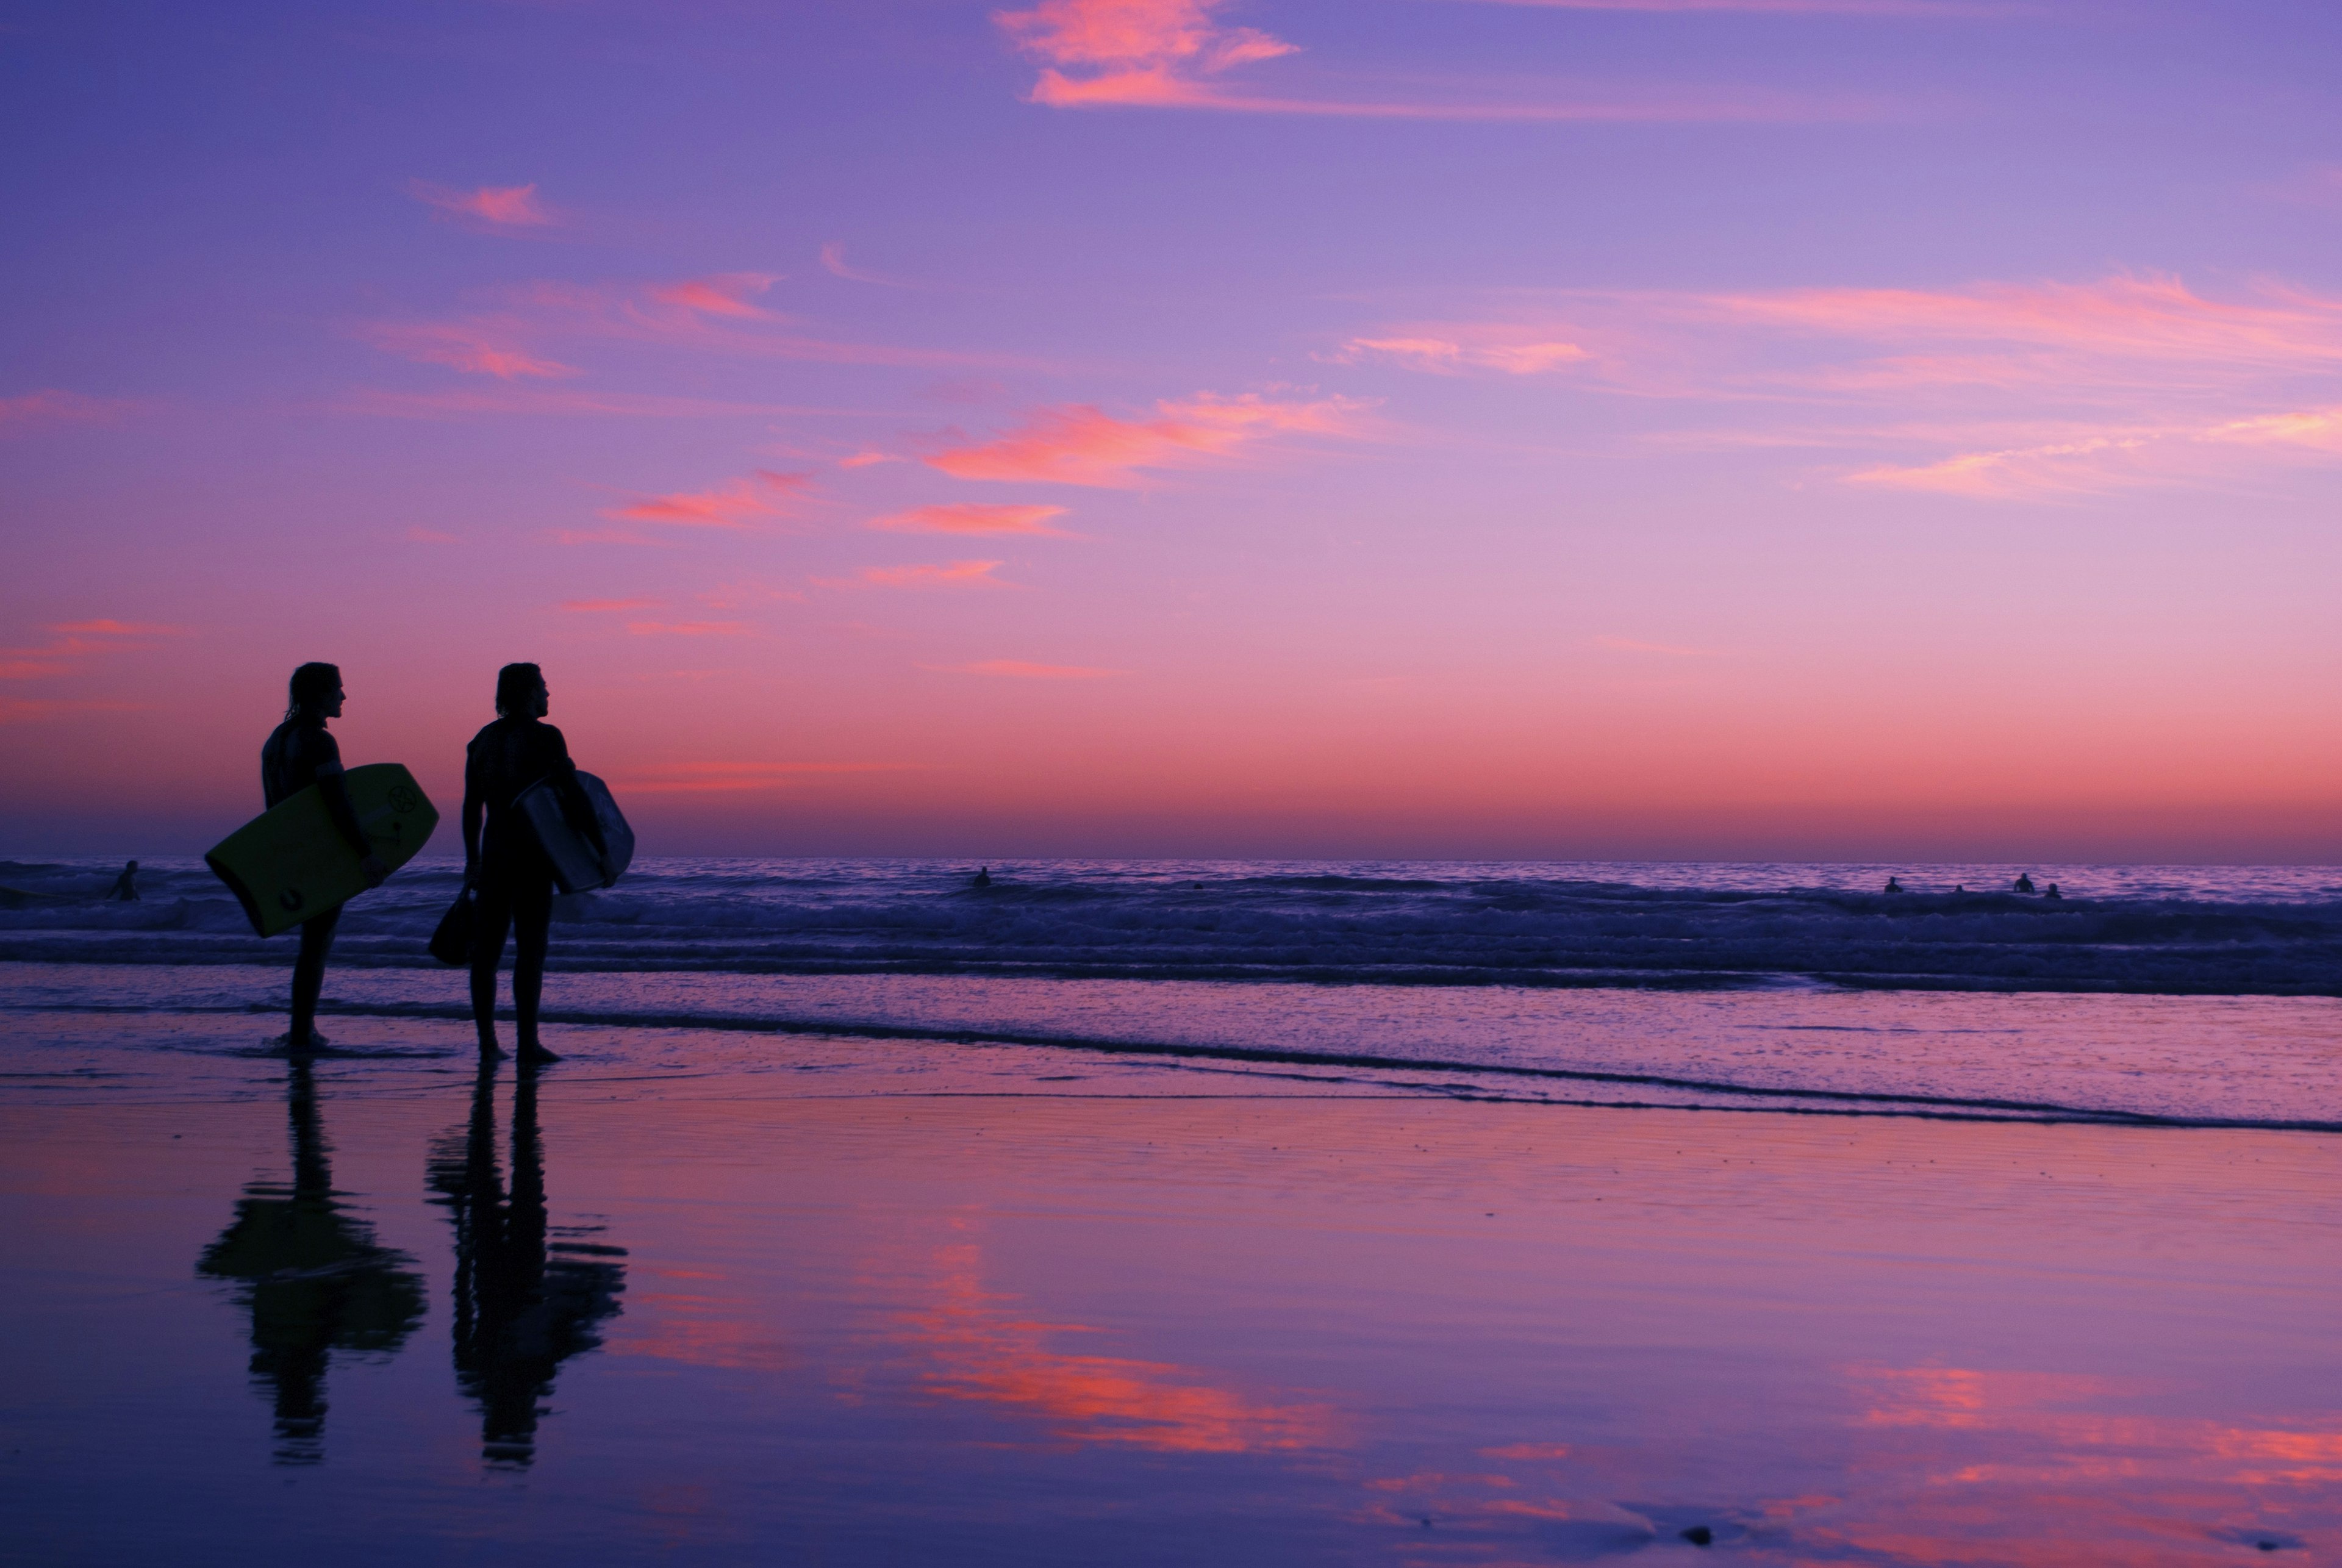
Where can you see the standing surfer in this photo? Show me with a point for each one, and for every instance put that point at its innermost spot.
(300, 753)
(510, 878)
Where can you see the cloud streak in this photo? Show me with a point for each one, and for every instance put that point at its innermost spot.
(949, 575)
(487, 206)
(973, 517)
(49, 406)
(1021, 670)
(1080, 444)
(739, 504)
(1174, 55)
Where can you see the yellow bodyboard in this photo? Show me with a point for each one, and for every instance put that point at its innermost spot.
(290, 863)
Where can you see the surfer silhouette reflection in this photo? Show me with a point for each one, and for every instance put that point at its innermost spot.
(524, 1302)
(314, 1279)
(300, 753)
(510, 878)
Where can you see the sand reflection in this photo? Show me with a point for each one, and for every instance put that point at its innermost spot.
(986, 1352)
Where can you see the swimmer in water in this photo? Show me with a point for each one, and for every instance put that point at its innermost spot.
(2023, 883)
(1893, 885)
(2052, 891)
(125, 886)
(983, 877)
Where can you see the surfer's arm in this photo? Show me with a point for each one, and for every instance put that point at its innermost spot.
(474, 807)
(337, 790)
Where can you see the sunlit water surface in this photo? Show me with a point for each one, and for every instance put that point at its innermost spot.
(932, 1255)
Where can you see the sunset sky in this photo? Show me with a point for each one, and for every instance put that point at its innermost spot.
(1841, 429)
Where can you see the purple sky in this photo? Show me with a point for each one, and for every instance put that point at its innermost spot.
(1837, 428)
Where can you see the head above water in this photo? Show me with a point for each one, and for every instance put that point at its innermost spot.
(521, 692)
(315, 692)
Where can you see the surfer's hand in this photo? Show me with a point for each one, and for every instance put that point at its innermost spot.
(374, 871)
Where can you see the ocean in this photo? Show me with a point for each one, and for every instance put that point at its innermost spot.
(2182, 994)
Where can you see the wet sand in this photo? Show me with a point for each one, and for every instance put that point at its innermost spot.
(886, 1301)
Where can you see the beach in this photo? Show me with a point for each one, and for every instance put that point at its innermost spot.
(922, 1283)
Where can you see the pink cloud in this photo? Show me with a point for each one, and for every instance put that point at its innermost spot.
(74, 642)
(108, 628)
(499, 206)
(26, 710)
(868, 459)
(1082, 445)
(763, 493)
(973, 517)
(474, 347)
(956, 575)
(604, 606)
(1915, 9)
(1019, 669)
(49, 405)
(725, 294)
(1472, 348)
(1171, 55)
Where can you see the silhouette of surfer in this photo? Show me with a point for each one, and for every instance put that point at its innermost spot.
(505, 870)
(1893, 885)
(983, 877)
(314, 1278)
(300, 753)
(125, 886)
(524, 1303)
(2052, 891)
(2023, 883)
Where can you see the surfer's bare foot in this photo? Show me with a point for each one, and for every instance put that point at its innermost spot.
(536, 1055)
(490, 1050)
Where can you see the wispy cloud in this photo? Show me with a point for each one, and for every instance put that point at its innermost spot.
(1471, 347)
(1917, 10)
(833, 261)
(606, 606)
(1020, 669)
(949, 575)
(973, 517)
(462, 402)
(73, 643)
(50, 406)
(1998, 390)
(490, 206)
(739, 504)
(1176, 55)
(724, 294)
(1083, 444)
(475, 347)
(867, 459)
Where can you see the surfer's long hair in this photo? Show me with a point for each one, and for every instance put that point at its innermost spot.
(517, 689)
(310, 689)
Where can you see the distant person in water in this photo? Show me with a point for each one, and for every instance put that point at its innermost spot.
(2023, 883)
(125, 886)
(509, 877)
(299, 753)
(1893, 885)
(983, 877)
(2052, 891)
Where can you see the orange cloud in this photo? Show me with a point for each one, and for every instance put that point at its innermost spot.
(1019, 669)
(957, 574)
(973, 517)
(499, 206)
(735, 505)
(475, 348)
(1083, 444)
(50, 405)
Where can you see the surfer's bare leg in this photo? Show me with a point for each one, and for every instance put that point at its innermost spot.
(532, 923)
(491, 918)
(309, 976)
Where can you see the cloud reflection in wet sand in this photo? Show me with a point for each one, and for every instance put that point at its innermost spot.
(987, 1353)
